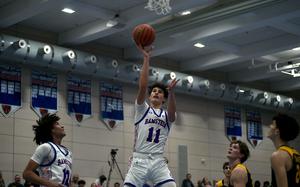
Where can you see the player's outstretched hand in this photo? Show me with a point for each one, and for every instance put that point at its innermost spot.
(173, 84)
(145, 50)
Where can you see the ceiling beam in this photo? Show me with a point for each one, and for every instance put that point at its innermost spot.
(286, 85)
(287, 27)
(18, 11)
(131, 17)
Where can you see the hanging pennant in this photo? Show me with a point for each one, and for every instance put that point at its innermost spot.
(43, 93)
(254, 127)
(111, 98)
(79, 99)
(232, 118)
(10, 95)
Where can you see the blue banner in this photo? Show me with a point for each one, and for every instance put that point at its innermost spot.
(79, 98)
(233, 125)
(10, 94)
(111, 98)
(43, 92)
(254, 127)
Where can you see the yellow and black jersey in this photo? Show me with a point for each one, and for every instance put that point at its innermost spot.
(220, 183)
(293, 175)
(249, 181)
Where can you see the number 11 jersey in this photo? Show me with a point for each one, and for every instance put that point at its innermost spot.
(151, 129)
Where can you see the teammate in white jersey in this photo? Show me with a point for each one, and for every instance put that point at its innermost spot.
(152, 127)
(52, 160)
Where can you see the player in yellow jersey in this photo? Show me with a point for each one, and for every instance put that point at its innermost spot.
(225, 181)
(238, 153)
(285, 161)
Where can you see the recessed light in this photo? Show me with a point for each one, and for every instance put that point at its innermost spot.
(296, 49)
(184, 13)
(68, 10)
(199, 45)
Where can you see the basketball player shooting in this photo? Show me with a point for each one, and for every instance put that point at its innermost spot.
(152, 127)
(52, 160)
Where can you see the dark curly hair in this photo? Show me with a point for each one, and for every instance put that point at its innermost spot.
(288, 126)
(161, 86)
(43, 128)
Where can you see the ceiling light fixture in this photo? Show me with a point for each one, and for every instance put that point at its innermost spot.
(296, 49)
(184, 13)
(68, 10)
(111, 23)
(199, 45)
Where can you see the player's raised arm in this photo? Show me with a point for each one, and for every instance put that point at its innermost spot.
(172, 101)
(144, 73)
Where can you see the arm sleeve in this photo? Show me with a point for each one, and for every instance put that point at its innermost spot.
(41, 153)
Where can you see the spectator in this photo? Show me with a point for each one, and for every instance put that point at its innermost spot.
(17, 182)
(187, 181)
(2, 183)
(266, 184)
(117, 184)
(99, 182)
(93, 185)
(75, 179)
(81, 183)
(256, 184)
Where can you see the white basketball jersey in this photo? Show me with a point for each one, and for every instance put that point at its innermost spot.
(55, 164)
(151, 129)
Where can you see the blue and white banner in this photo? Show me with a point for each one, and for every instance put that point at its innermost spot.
(10, 95)
(233, 122)
(43, 93)
(79, 99)
(254, 127)
(111, 98)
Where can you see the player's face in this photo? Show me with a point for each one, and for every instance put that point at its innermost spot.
(58, 130)
(234, 151)
(227, 171)
(273, 130)
(157, 96)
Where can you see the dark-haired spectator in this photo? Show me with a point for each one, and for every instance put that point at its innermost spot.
(17, 182)
(266, 184)
(81, 183)
(187, 182)
(2, 183)
(256, 183)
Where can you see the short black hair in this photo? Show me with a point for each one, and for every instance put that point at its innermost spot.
(161, 86)
(288, 126)
(243, 149)
(225, 164)
(81, 182)
(43, 128)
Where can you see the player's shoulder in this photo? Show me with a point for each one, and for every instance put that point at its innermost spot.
(240, 168)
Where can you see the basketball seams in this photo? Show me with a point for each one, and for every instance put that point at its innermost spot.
(143, 34)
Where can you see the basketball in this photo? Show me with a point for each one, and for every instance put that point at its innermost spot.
(143, 35)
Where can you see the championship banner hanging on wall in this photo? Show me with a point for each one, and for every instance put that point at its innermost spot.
(254, 127)
(10, 95)
(111, 98)
(43, 93)
(233, 125)
(79, 99)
